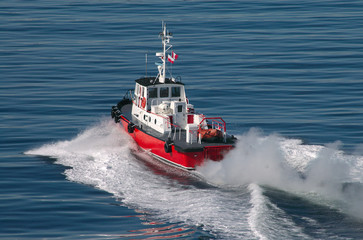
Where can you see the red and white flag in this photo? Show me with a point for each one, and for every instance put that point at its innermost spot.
(173, 57)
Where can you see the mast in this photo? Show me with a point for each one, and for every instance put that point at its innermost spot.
(165, 40)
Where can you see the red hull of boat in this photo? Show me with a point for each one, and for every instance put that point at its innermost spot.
(187, 160)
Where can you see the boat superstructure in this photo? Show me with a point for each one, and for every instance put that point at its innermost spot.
(158, 116)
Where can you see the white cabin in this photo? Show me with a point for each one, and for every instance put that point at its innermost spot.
(163, 106)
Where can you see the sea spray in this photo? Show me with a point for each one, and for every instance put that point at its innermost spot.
(337, 176)
(320, 173)
(89, 154)
(256, 159)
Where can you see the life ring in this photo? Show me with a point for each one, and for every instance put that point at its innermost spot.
(167, 146)
(130, 127)
(143, 102)
(210, 135)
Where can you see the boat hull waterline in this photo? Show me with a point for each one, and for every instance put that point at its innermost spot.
(186, 160)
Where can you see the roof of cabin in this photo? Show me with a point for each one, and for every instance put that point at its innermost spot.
(149, 81)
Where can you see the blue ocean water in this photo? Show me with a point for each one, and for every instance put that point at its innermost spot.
(287, 76)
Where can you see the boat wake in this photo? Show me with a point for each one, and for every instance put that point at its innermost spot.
(287, 164)
(254, 183)
(322, 175)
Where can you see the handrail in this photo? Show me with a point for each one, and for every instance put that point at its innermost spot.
(129, 94)
(214, 118)
(217, 123)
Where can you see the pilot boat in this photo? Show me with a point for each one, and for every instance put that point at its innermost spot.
(159, 117)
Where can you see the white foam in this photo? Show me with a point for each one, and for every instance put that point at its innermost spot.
(100, 156)
(256, 159)
(267, 221)
(321, 173)
(258, 207)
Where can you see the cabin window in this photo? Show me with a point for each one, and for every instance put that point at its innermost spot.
(175, 91)
(137, 89)
(141, 91)
(180, 108)
(153, 92)
(164, 92)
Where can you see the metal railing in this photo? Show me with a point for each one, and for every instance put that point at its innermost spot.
(130, 95)
(215, 123)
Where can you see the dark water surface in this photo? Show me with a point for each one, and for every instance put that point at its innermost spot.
(287, 76)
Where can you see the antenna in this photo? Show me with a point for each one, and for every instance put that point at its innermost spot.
(145, 64)
(165, 40)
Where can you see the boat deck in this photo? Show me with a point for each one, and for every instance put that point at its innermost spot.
(178, 137)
